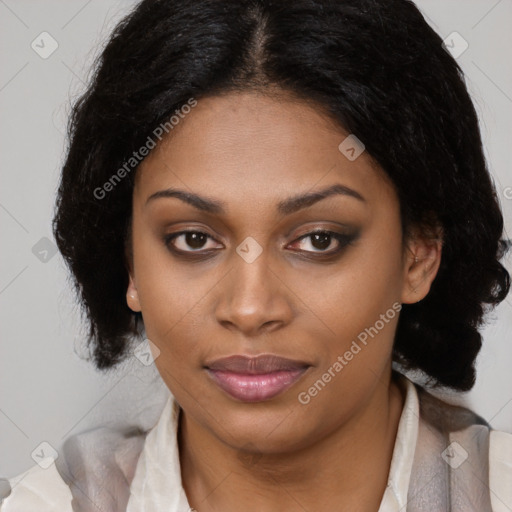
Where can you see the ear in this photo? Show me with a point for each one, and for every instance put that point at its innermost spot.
(132, 295)
(422, 258)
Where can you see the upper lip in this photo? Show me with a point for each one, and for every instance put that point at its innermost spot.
(266, 363)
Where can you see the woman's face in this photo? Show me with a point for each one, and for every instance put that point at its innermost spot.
(251, 280)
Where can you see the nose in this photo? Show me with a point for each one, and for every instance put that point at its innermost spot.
(254, 300)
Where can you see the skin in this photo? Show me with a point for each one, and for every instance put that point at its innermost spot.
(251, 151)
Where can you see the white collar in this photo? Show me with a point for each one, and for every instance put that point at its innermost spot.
(395, 495)
(157, 485)
(157, 482)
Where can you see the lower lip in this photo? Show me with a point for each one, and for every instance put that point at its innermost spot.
(256, 388)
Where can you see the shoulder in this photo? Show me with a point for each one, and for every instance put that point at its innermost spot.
(472, 431)
(86, 462)
(38, 489)
(500, 470)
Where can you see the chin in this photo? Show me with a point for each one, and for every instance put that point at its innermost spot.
(269, 427)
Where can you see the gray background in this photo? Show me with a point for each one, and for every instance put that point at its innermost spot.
(46, 391)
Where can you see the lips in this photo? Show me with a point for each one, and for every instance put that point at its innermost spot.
(255, 379)
(255, 365)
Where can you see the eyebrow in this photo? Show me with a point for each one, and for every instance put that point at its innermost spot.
(285, 207)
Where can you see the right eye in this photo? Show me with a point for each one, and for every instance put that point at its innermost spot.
(188, 242)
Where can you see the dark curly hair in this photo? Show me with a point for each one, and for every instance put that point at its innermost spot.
(375, 66)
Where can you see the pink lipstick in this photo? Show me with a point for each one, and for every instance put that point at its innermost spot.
(255, 379)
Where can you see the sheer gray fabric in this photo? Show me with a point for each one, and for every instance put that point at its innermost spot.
(450, 471)
(99, 466)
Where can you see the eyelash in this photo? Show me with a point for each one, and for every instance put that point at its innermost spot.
(343, 241)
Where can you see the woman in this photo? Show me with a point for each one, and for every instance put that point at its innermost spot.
(290, 201)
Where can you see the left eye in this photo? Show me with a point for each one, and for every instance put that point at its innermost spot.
(321, 241)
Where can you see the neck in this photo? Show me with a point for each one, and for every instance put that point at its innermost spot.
(350, 466)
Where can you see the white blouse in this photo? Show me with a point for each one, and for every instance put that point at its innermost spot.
(157, 485)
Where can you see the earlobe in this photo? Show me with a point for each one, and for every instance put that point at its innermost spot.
(132, 296)
(422, 262)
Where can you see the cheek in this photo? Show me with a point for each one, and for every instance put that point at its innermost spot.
(171, 323)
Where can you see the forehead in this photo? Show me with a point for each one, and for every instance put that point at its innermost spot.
(249, 146)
